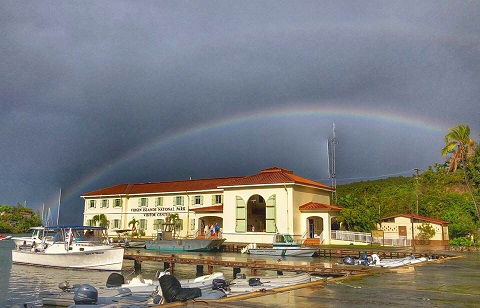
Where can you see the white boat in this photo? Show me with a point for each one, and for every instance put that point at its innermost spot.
(38, 235)
(3, 237)
(245, 284)
(393, 263)
(140, 285)
(283, 246)
(78, 247)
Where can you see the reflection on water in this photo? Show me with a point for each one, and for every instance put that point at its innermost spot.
(445, 284)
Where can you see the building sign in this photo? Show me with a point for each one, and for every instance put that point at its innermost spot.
(159, 211)
(377, 233)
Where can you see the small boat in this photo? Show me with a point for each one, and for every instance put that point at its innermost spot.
(139, 285)
(2, 237)
(86, 294)
(245, 284)
(375, 260)
(283, 246)
(165, 241)
(393, 263)
(76, 247)
(173, 291)
(38, 234)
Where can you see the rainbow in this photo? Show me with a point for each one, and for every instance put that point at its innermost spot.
(325, 113)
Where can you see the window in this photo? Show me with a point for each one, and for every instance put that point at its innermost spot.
(143, 202)
(116, 223)
(117, 203)
(92, 203)
(104, 203)
(158, 224)
(159, 201)
(89, 222)
(197, 200)
(218, 199)
(143, 224)
(178, 200)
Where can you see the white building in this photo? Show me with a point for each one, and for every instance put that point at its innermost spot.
(247, 209)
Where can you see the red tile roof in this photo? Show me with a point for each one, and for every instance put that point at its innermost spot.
(213, 208)
(314, 206)
(273, 175)
(276, 175)
(429, 219)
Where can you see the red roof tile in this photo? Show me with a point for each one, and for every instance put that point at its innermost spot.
(162, 187)
(273, 175)
(434, 220)
(276, 175)
(214, 208)
(314, 206)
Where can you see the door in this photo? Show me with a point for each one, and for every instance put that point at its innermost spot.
(402, 231)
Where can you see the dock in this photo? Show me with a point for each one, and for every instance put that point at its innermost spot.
(254, 265)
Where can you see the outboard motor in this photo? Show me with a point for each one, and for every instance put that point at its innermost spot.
(255, 281)
(85, 295)
(348, 260)
(115, 280)
(219, 283)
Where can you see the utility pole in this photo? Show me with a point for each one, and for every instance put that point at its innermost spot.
(416, 188)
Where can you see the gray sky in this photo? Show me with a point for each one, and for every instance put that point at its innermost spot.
(99, 93)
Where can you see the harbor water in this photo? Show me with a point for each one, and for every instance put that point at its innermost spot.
(435, 284)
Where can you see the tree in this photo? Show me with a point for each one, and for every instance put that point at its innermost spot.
(133, 223)
(102, 219)
(426, 232)
(460, 146)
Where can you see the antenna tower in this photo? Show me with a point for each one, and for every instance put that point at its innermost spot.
(332, 142)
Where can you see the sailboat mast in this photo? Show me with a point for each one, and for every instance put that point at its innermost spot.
(59, 202)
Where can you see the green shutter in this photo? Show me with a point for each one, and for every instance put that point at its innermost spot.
(201, 200)
(241, 215)
(213, 199)
(192, 224)
(174, 200)
(270, 214)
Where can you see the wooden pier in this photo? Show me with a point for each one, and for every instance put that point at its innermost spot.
(169, 261)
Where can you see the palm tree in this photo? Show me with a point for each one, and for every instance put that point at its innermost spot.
(133, 223)
(102, 219)
(461, 146)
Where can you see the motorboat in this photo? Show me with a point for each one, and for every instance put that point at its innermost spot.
(76, 247)
(398, 262)
(374, 260)
(166, 241)
(3, 237)
(38, 234)
(140, 285)
(137, 291)
(283, 246)
(85, 294)
(244, 284)
(173, 291)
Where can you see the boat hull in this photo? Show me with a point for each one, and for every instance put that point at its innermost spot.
(242, 285)
(108, 259)
(284, 252)
(184, 245)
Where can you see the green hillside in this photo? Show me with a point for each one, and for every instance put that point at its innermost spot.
(441, 195)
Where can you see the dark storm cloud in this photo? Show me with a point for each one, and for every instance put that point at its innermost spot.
(85, 82)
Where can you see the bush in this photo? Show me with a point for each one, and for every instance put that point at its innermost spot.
(463, 241)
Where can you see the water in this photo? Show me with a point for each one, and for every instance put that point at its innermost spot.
(445, 284)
